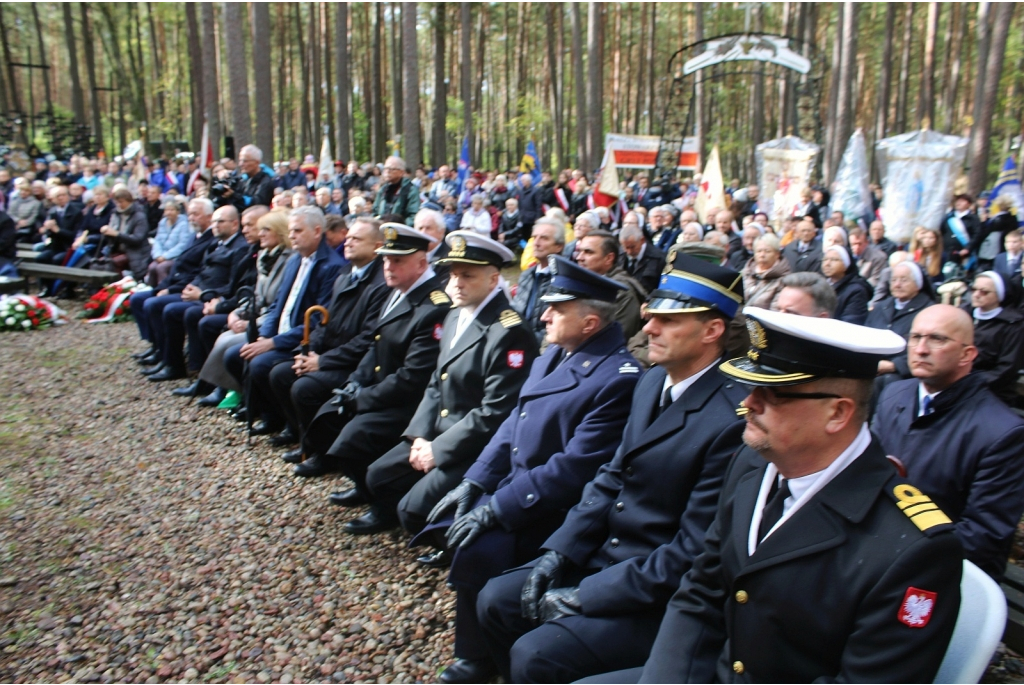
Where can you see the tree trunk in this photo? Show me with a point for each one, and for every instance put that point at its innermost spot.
(1003, 14)
(4, 39)
(211, 97)
(884, 78)
(846, 103)
(904, 81)
(981, 71)
(376, 86)
(90, 69)
(412, 144)
(439, 137)
(42, 57)
(833, 97)
(757, 108)
(478, 89)
(315, 83)
(238, 74)
(195, 72)
(465, 85)
(138, 68)
(595, 79)
(306, 132)
(325, 54)
(953, 82)
(698, 89)
(77, 99)
(262, 75)
(651, 42)
(283, 73)
(555, 60)
(926, 104)
(155, 67)
(579, 79)
(397, 105)
(341, 68)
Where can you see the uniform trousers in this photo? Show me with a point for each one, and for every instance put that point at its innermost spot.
(563, 650)
(300, 397)
(137, 302)
(203, 331)
(352, 442)
(173, 342)
(261, 400)
(397, 487)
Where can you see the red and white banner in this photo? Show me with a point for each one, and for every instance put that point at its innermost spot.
(641, 152)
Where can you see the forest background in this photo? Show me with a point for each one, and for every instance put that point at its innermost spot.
(422, 77)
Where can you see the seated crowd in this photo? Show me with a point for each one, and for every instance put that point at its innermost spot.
(673, 451)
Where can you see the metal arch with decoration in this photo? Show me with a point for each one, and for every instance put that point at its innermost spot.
(714, 61)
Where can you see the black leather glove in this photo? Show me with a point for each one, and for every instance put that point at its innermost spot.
(345, 397)
(467, 529)
(559, 603)
(546, 574)
(462, 498)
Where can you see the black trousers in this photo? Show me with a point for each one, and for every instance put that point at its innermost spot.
(300, 397)
(564, 650)
(202, 332)
(396, 487)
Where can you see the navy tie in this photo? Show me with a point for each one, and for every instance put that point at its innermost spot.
(773, 510)
(926, 406)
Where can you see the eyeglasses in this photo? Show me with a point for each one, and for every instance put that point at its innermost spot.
(931, 340)
(391, 168)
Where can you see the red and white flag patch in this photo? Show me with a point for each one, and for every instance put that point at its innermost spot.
(916, 609)
(438, 331)
(516, 359)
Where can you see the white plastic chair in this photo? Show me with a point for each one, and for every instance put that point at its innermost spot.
(979, 627)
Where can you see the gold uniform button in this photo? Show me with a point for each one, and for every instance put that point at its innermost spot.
(377, 337)
(737, 666)
(742, 597)
(444, 376)
(376, 369)
(444, 413)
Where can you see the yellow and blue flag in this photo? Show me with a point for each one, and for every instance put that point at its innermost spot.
(531, 162)
(463, 165)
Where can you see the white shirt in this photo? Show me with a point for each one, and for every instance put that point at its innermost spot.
(802, 489)
(400, 294)
(468, 314)
(636, 260)
(679, 388)
(305, 266)
(479, 222)
(921, 394)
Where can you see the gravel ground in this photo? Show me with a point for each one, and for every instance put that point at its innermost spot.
(142, 541)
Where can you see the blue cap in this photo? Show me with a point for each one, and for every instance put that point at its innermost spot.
(689, 284)
(570, 281)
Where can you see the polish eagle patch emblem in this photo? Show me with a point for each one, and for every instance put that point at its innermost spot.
(916, 609)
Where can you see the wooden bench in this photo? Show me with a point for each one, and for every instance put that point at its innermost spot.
(12, 285)
(30, 255)
(93, 278)
(24, 246)
(1013, 587)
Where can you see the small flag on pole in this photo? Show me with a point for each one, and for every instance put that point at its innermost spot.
(463, 166)
(530, 163)
(711, 192)
(606, 192)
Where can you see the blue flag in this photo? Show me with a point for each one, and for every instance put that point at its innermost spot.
(1008, 187)
(463, 166)
(531, 162)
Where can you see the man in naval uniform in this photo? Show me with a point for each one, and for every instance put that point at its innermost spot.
(824, 564)
(369, 413)
(485, 356)
(594, 600)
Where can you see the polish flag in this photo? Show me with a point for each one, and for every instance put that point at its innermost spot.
(606, 192)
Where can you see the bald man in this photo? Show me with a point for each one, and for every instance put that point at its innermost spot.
(396, 193)
(957, 440)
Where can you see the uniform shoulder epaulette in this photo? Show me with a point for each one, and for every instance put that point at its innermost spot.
(439, 298)
(509, 318)
(919, 508)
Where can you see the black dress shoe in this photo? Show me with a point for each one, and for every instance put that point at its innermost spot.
(214, 398)
(189, 390)
(143, 355)
(439, 558)
(311, 468)
(153, 369)
(284, 438)
(469, 671)
(167, 374)
(293, 456)
(152, 358)
(348, 498)
(241, 414)
(370, 523)
(263, 428)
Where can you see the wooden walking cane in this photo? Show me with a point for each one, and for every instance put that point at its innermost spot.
(305, 326)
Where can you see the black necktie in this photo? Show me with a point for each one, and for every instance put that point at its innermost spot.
(773, 510)
(666, 400)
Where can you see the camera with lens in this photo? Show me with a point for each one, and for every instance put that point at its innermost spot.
(217, 190)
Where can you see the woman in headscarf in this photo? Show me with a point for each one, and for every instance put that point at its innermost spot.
(998, 332)
(762, 275)
(852, 291)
